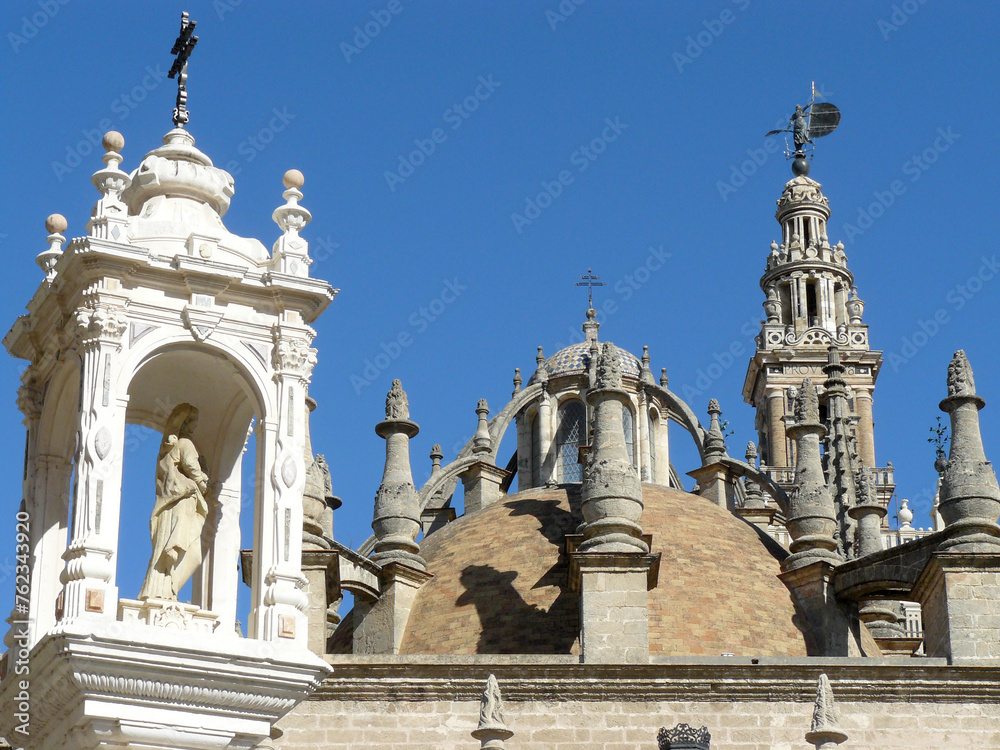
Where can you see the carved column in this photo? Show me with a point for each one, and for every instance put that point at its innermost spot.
(612, 566)
(808, 571)
(89, 577)
(279, 596)
(380, 623)
(959, 589)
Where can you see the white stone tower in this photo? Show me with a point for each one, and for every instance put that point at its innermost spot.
(811, 303)
(159, 305)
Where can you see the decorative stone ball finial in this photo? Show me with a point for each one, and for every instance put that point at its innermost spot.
(293, 179)
(113, 141)
(540, 357)
(664, 380)
(56, 224)
(396, 404)
(609, 374)
(517, 380)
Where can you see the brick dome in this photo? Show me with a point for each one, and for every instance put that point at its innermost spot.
(500, 575)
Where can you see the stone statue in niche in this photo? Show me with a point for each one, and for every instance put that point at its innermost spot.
(182, 502)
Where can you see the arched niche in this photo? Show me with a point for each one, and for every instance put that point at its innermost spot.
(225, 393)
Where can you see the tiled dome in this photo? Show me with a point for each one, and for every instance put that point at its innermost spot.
(575, 360)
(500, 582)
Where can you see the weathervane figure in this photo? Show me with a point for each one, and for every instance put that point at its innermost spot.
(814, 120)
(590, 281)
(182, 50)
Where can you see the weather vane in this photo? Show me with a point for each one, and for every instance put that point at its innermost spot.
(814, 120)
(590, 281)
(182, 50)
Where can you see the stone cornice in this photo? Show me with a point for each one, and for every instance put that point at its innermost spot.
(723, 679)
(144, 665)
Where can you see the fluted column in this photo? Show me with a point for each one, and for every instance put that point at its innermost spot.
(866, 426)
(777, 454)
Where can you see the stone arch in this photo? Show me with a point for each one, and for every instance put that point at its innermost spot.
(230, 389)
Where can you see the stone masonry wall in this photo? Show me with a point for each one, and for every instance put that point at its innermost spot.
(593, 725)
(974, 608)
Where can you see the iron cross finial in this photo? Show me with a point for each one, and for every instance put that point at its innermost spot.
(590, 281)
(182, 50)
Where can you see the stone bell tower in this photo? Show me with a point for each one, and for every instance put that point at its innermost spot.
(157, 310)
(811, 303)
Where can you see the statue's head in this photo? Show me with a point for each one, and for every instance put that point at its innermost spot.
(182, 421)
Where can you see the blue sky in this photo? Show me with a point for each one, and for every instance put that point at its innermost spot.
(680, 94)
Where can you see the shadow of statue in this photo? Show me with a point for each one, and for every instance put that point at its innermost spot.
(509, 624)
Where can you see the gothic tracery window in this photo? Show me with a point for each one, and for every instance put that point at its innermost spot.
(570, 436)
(628, 427)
